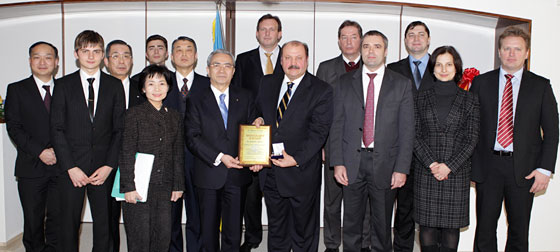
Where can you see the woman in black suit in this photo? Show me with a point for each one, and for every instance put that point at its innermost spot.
(153, 129)
(447, 122)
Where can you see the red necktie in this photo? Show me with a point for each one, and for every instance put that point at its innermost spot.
(47, 99)
(369, 124)
(505, 124)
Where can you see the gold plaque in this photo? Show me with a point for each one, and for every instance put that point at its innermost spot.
(254, 145)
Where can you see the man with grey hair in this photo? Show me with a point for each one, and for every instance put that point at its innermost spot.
(212, 119)
(298, 107)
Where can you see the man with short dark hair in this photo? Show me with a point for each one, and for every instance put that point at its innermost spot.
(298, 107)
(349, 36)
(87, 120)
(185, 82)
(250, 67)
(518, 144)
(156, 52)
(118, 61)
(28, 104)
(414, 67)
(371, 142)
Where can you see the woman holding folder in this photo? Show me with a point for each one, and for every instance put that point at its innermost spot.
(151, 131)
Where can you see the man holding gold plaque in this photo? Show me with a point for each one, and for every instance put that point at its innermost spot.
(212, 120)
(298, 107)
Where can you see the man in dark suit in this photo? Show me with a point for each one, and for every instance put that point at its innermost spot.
(414, 67)
(86, 136)
(118, 62)
(518, 144)
(156, 52)
(349, 35)
(250, 67)
(371, 140)
(214, 115)
(27, 120)
(185, 82)
(298, 106)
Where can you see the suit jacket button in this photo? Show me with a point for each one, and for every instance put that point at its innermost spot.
(158, 170)
(360, 129)
(359, 150)
(160, 139)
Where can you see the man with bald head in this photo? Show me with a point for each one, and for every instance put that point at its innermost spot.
(298, 107)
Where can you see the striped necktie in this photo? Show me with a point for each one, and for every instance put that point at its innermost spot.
(505, 124)
(284, 103)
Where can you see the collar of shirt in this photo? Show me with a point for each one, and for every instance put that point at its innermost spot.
(284, 88)
(378, 80)
(348, 61)
(190, 78)
(217, 94)
(422, 67)
(273, 58)
(85, 86)
(515, 85)
(126, 87)
(40, 85)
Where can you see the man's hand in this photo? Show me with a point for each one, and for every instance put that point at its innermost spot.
(397, 180)
(541, 181)
(48, 157)
(176, 195)
(100, 175)
(340, 175)
(231, 162)
(258, 122)
(440, 171)
(132, 197)
(256, 168)
(78, 177)
(287, 161)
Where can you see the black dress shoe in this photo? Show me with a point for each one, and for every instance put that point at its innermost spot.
(331, 250)
(365, 250)
(247, 246)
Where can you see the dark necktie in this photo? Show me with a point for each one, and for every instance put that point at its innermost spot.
(284, 103)
(369, 117)
(91, 98)
(47, 99)
(417, 76)
(505, 125)
(185, 88)
(351, 66)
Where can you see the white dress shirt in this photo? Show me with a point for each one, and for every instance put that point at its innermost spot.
(40, 85)
(264, 59)
(85, 85)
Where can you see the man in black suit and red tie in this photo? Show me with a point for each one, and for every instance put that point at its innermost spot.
(372, 138)
(27, 119)
(87, 117)
(414, 67)
(299, 108)
(212, 130)
(250, 67)
(518, 144)
(349, 36)
(185, 82)
(118, 61)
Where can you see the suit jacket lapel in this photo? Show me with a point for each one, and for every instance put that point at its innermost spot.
(385, 87)
(102, 98)
(76, 88)
(233, 111)
(298, 97)
(35, 95)
(357, 86)
(494, 87)
(256, 59)
(211, 107)
(523, 96)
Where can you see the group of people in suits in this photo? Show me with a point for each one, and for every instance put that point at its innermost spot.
(401, 133)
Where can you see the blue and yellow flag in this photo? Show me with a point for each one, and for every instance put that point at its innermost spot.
(217, 32)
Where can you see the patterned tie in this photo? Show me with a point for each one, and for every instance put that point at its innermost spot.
(284, 103)
(223, 109)
(269, 67)
(369, 124)
(91, 98)
(505, 125)
(185, 88)
(417, 76)
(47, 99)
